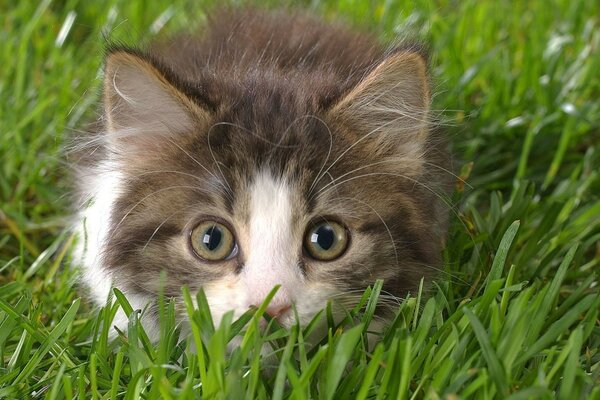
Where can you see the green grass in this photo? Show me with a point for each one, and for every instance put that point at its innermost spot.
(513, 315)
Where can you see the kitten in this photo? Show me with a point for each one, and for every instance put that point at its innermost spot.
(270, 149)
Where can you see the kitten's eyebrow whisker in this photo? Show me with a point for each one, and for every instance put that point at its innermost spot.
(306, 116)
(197, 162)
(395, 160)
(152, 194)
(415, 181)
(312, 186)
(256, 135)
(358, 141)
(333, 181)
(446, 202)
(165, 171)
(457, 177)
(217, 163)
(163, 222)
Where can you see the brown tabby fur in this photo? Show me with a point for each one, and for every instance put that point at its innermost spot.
(275, 91)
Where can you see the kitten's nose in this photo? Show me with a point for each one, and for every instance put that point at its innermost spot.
(278, 310)
(279, 306)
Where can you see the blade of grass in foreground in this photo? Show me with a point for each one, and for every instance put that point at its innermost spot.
(502, 253)
(342, 353)
(496, 370)
(47, 344)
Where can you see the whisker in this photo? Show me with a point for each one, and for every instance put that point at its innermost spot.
(195, 188)
(396, 160)
(164, 171)
(254, 134)
(306, 116)
(453, 209)
(197, 162)
(357, 142)
(315, 181)
(164, 221)
(384, 224)
(215, 160)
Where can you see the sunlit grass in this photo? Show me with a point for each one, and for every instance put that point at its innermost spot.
(514, 314)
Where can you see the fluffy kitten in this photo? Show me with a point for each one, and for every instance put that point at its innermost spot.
(268, 149)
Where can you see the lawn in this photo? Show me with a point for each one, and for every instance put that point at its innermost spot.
(513, 314)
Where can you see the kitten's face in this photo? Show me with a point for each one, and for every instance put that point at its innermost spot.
(270, 186)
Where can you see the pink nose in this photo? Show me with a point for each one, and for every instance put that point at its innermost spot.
(278, 307)
(278, 310)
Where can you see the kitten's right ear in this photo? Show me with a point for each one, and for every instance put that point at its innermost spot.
(142, 105)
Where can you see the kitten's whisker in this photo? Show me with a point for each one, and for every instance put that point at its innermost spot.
(356, 143)
(385, 294)
(98, 140)
(197, 162)
(438, 195)
(452, 208)
(396, 160)
(165, 171)
(152, 194)
(310, 189)
(216, 162)
(384, 224)
(303, 117)
(164, 221)
(454, 277)
(126, 283)
(351, 303)
(457, 177)
(356, 294)
(255, 135)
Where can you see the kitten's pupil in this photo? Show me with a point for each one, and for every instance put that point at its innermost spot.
(324, 236)
(212, 238)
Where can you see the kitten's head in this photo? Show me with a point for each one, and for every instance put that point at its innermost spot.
(236, 183)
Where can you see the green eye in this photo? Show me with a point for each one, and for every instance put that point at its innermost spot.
(326, 241)
(213, 241)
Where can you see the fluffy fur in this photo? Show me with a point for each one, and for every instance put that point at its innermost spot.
(268, 122)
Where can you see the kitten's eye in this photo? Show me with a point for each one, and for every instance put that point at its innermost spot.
(213, 241)
(326, 241)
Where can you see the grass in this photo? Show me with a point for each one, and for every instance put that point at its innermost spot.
(513, 315)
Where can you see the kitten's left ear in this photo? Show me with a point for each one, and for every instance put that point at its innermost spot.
(142, 105)
(391, 105)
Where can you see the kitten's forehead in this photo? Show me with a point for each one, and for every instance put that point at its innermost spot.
(290, 151)
(268, 115)
(266, 198)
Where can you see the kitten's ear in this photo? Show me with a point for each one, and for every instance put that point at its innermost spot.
(391, 105)
(141, 105)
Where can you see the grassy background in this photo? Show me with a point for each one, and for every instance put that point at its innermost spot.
(516, 310)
